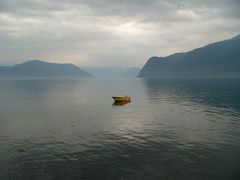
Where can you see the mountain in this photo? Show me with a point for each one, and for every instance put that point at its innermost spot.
(37, 68)
(131, 72)
(105, 71)
(4, 69)
(217, 59)
(112, 71)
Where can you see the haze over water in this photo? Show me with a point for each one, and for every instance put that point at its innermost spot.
(70, 129)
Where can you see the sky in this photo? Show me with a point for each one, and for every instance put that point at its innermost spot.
(111, 32)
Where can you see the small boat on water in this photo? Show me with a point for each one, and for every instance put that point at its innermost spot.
(122, 98)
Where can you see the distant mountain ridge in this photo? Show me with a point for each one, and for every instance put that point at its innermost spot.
(113, 71)
(215, 59)
(131, 72)
(38, 68)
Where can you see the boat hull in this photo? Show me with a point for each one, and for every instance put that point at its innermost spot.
(122, 99)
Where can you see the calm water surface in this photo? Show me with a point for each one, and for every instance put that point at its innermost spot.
(70, 129)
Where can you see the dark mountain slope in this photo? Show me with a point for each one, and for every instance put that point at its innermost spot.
(218, 58)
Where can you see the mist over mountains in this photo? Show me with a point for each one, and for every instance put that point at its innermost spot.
(131, 72)
(216, 59)
(113, 71)
(37, 68)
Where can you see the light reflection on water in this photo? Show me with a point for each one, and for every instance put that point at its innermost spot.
(69, 129)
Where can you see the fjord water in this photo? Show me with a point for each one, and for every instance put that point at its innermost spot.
(70, 129)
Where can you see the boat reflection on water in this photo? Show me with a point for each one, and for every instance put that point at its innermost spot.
(121, 103)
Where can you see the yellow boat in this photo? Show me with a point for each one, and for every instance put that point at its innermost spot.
(122, 99)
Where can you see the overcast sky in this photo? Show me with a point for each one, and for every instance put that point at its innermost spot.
(111, 32)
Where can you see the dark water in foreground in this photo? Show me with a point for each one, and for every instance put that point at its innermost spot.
(69, 129)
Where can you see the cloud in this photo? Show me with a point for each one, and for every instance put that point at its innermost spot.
(111, 32)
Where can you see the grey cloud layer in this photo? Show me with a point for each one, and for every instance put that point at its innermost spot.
(111, 31)
(142, 9)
